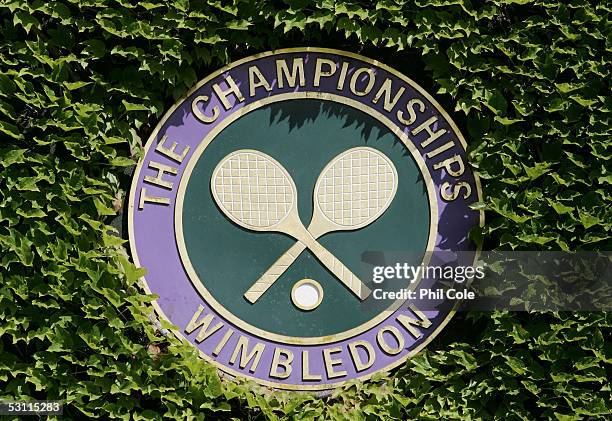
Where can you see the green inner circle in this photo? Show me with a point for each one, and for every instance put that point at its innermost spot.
(303, 135)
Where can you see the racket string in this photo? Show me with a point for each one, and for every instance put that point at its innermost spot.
(356, 187)
(254, 190)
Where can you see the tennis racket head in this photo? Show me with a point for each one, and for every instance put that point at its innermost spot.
(253, 190)
(356, 188)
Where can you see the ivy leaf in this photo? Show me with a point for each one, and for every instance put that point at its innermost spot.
(496, 103)
(25, 20)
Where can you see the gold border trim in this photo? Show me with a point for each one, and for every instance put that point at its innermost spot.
(151, 141)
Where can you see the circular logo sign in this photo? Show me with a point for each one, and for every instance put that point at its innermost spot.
(267, 195)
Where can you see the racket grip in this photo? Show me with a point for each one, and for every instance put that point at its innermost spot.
(274, 272)
(344, 274)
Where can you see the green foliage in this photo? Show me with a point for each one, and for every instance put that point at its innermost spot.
(82, 82)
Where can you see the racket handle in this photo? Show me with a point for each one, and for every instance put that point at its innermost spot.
(344, 274)
(274, 272)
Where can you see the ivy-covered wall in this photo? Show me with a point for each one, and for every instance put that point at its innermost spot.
(82, 83)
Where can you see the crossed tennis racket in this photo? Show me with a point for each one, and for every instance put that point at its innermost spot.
(257, 193)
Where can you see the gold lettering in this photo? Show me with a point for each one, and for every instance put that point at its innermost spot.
(440, 149)
(222, 342)
(369, 86)
(223, 94)
(319, 70)
(343, 72)
(411, 111)
(286, 363)
(306, 376)
(455, 159)
(161, 170)
(456, 190)
(151, 199)
(282, 71)
(426, 125)
(385, 89)
(388, 349)
(254, 72)
(205, 323)
(330, 363)
(242, 348)
(171, 151)
(357, 361)
(200, 115)
(408, 322)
